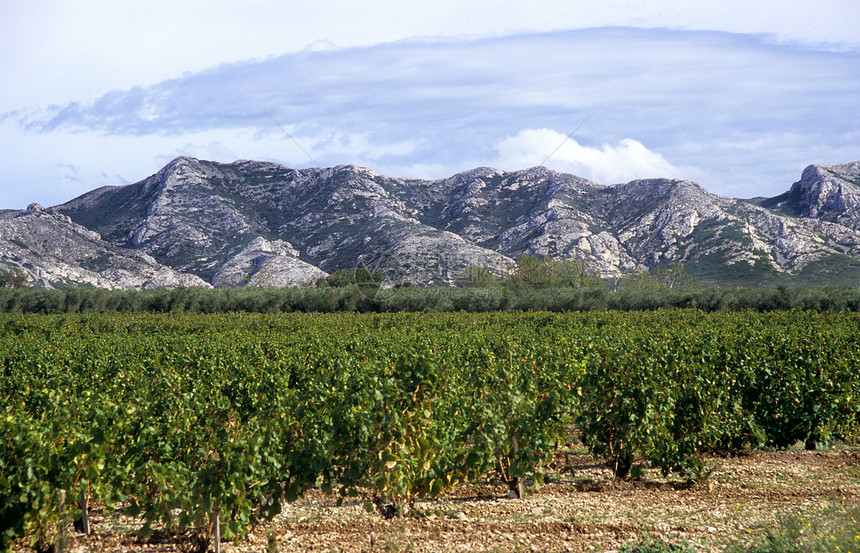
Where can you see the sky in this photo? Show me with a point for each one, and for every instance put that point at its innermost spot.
(736, 96)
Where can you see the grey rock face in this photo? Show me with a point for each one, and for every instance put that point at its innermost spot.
(265, 224)
(53, 251)
(269, 264)
(825, 192)
(262, 223)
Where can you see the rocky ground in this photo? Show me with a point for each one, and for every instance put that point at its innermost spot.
(580, 508)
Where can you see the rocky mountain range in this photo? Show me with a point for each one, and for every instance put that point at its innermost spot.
(202, 223)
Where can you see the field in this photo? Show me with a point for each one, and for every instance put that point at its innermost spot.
(582, 507)
(397, 432)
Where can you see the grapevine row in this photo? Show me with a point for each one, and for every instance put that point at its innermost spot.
(185, 419)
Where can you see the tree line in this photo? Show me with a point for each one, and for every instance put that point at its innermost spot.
(535, 283)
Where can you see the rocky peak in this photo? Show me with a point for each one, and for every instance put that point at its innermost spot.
(830, 192)
(825, 192)
(32, 209)
(479, 173)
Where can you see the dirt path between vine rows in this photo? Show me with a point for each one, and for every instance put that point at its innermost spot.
(580, 508)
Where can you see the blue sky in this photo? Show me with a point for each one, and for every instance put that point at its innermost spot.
(738, 98)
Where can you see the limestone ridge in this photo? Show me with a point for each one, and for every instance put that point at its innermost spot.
(207, 218)
(260, 223)
(55, 252)
(828, 193)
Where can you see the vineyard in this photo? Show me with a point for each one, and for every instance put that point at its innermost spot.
(208, 425)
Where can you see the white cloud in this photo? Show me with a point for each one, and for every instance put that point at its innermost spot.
(609, 164)
(736, 113)
(52, 49)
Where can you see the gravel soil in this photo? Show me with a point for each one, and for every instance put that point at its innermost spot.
(580, 508)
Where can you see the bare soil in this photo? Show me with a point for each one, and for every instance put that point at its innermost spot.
(580, 508)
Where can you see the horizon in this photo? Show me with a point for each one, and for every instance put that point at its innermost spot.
(451, 176)
(322, 168)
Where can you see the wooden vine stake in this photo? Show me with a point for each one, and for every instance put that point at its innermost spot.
(85, 517)
(61, 523)
(518, 490)
(216, 533)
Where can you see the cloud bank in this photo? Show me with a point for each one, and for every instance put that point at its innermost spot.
(609, 164)
(738, 113)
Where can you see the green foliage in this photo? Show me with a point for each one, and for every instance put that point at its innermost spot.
(409, 450)
(798, 368)
(371, 298)
(48, 450)
(651, 545)
(663, 395)
(13, 278)
(691, 383)
(479, 277)
(544, 272)
(636, 281)
(179, 417)
(672, 276)
(360, 276)
(833, 529)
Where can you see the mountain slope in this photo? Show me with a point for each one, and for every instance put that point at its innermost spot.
(262, 223)
(192, 213)
(54, 252)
